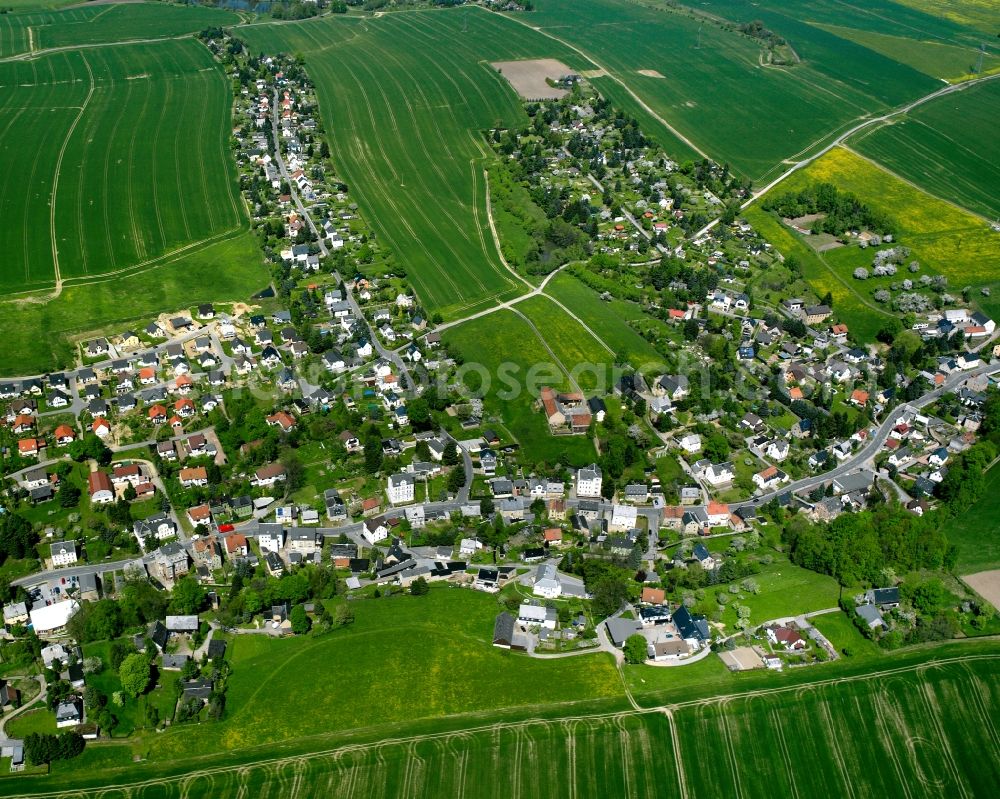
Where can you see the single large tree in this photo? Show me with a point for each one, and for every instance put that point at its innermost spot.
(635, 649)
(134, 674)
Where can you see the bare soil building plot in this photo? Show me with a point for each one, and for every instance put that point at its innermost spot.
(529, 77)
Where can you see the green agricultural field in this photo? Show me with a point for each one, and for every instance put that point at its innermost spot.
(38, 335)
(976, 532)
(942, 237)
(129, 161)
(407, 134)
(852, 728)
(504, 347)
(18, 32)
(709, 82)
(587, 358)
(609, 319)
(979, 14)
(936, 58)
(123, 22)
(948, 147)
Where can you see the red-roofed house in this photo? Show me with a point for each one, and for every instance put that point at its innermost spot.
(64, 435)
(786, 637)
(553, 535)
(281, 419)
(101, 427)
(859, 398)
(653, 596)
(158, 414)
(28, 447)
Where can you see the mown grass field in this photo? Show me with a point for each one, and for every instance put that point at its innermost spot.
(610, 319)
(901, 727)
(949, 147)
(111, 158)
(715, 90)
(942, 237)
(588, 359)
(504, 347)
(407, 134)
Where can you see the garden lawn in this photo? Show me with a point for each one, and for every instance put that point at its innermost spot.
(841, 632)
(785, 590)
(40, 720)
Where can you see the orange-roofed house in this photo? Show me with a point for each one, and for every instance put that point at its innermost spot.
(718, 514)
(194, 476)
(101, 427)
(553, 536)
(158, 414)
(23, 423)
(28, 447)
(200, 514)
(795, 393)
(859, 398)
(64, 435)
(281, 419)
(147, 375)
(183, 384)
(653, 596)
(184, 407)
(236, 546)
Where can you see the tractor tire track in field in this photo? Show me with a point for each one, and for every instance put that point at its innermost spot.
(418, 208)
(107, 175)
(55, 180)
(785, 755)
(888, 735)
(139, 243)
(365, 160)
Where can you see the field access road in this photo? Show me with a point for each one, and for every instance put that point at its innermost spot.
(866, 455)
(903, 109)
